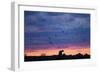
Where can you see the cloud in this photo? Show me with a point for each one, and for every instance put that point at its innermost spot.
(46, 21)
(56, 28)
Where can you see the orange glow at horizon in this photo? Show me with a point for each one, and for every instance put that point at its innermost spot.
(48, 52)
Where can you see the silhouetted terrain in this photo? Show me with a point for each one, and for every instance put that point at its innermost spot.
(60, 56)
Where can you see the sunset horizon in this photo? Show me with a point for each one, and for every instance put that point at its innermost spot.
(52, 51)
(56, 35)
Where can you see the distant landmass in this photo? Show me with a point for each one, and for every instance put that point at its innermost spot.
(61, 56)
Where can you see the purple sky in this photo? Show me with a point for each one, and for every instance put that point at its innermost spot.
(56, 29)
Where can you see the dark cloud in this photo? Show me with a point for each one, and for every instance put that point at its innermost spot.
(56, 28)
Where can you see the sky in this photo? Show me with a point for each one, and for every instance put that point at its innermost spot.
(49, 32)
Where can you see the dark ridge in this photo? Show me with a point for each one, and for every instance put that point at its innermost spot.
(61, 56)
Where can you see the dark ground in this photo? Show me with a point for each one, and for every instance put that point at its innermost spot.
(56, 57)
